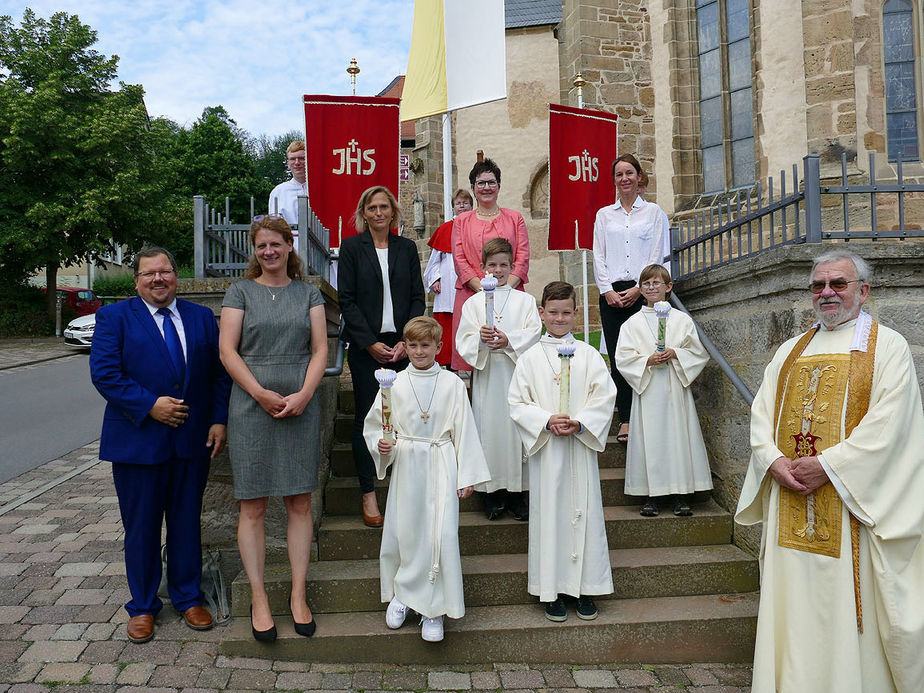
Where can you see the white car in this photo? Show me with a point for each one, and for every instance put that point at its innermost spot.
(79, 331)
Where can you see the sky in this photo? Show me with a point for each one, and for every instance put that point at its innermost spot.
(254, 58)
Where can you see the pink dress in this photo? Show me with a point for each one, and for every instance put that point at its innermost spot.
(469, 234)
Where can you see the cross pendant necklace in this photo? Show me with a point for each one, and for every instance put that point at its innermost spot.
(424, 413)
(555, 376)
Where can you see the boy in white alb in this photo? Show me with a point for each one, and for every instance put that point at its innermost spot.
(568, 553)
(436, 460)
(666, 455)
(493, 352)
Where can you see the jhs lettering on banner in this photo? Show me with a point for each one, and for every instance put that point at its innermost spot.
(585, 167)
(354, 160)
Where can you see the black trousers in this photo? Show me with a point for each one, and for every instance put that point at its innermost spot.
(365, 388)
(612, 319)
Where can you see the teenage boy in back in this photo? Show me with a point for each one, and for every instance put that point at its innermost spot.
(568, 553)
(435, 461)
(492, 352)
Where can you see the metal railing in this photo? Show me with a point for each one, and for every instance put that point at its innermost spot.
(750, 220)
(222, 248)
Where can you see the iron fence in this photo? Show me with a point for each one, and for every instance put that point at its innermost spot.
(222, 248)
(807, 211)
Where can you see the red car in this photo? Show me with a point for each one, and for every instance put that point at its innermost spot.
(80, 301)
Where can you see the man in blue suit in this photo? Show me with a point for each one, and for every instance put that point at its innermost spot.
(155, 361)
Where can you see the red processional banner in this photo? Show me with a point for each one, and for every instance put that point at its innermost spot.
(582, 147)
(352, 143)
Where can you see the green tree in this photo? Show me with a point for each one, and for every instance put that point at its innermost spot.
(271, 156)
(78, 166)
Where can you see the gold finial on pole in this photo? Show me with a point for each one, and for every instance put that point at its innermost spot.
(579, 83)
(353, 70)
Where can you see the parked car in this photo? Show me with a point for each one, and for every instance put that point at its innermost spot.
(80, 301)
(79, 331)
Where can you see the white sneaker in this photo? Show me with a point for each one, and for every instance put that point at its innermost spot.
(395, 613)
(431, 629)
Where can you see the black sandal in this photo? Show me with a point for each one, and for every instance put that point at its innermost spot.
(650, 509)
(682, 508)
(623, 437)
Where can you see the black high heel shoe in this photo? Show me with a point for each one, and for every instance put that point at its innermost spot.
(304, 629)
(268, 635)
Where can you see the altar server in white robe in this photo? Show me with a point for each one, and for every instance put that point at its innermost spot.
(568, 553)
(435, 461)
(666, 454)
(493, 353)
(837, 478)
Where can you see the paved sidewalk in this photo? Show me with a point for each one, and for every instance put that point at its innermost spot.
(62, 587)
(26, 351)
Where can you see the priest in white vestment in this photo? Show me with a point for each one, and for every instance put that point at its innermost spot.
(568, 552)
(666, 454)
(493, 354)
(436, 455)
(837, 478)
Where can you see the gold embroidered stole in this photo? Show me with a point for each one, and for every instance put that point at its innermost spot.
(809, 400)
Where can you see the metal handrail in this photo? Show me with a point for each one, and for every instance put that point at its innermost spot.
(716, 354)
(337, 368)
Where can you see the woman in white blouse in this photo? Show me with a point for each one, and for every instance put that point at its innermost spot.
(628, 236)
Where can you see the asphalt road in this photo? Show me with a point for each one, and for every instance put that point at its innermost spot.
(46, 411)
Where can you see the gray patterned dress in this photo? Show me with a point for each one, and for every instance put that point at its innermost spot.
(273, 457)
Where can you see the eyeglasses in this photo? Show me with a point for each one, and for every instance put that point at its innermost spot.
(837, 285)
(486, 184)
(163, 274)
(652, 285)
(271, 217)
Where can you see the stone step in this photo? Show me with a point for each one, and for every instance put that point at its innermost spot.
(702, 628)
(346, 537)
(341, 495)
(353, 585)
(341, 458)
(343, 428)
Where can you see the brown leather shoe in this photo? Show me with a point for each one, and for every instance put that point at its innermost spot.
(140, 628)
(372, 520)
(198, 618)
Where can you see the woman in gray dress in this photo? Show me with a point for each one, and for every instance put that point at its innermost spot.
(273, 343)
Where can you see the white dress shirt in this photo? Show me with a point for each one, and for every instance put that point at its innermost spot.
(177, 323)
(626, 242)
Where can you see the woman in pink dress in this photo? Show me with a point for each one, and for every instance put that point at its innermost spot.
(469, 233)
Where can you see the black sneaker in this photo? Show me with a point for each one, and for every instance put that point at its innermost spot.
(650, 509)
(495, 504)
(682, 507)
(586, 609)
(518, 505)
(555, 611)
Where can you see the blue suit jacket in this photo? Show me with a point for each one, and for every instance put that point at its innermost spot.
(131, 368)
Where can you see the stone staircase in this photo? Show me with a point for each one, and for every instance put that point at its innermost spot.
(683, 592)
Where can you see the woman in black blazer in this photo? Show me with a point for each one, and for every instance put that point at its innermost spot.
(380, 290)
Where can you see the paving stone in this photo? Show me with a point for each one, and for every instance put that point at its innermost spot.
(99, 631)
(12, 631)
(79, 569)
(103, 673)
(299, 680)
(135, 674)
(153, 652)
(101, 651)
(449, 681)
(64, 672)
(366, 680)
(251, 679)
(28, 688)
(557, 678)
(336, 681)
(53, 651)
(213, 678)
(201, 654)
(733, 675)
(484, 680)
(83, 597)
(530, 678)
(671, 675)
(636, 677)
(51, 614)
(35, 529)
(69, 631)
(19, 672)
(12, 568)
(328, 668)
(12, 614)
(594, 678)
(283, 665)
(404, 679)
(174, 677)
(97, 613)
(243, 662)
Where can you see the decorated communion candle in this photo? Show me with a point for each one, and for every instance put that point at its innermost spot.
(386, 378)
(565, 353)
(489, 283)
(662, 309)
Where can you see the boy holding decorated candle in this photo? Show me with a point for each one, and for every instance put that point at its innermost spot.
(436, 459)
(496, 327)
(660, 355)
(561, 399)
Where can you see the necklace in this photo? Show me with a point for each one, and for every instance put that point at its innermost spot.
(424, 413)
(556, 375)
(483, 213)
(498, 315)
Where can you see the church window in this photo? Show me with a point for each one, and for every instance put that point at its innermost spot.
(901, 90)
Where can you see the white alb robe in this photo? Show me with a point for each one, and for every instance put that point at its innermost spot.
(568, 553)
(419, 560)
(807, 638)
(441, 267)
(517, 317)
(666, 453)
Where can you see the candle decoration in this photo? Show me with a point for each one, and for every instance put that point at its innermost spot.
(662, 310)
(565, 353)
(489, 283)
(386, 378)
